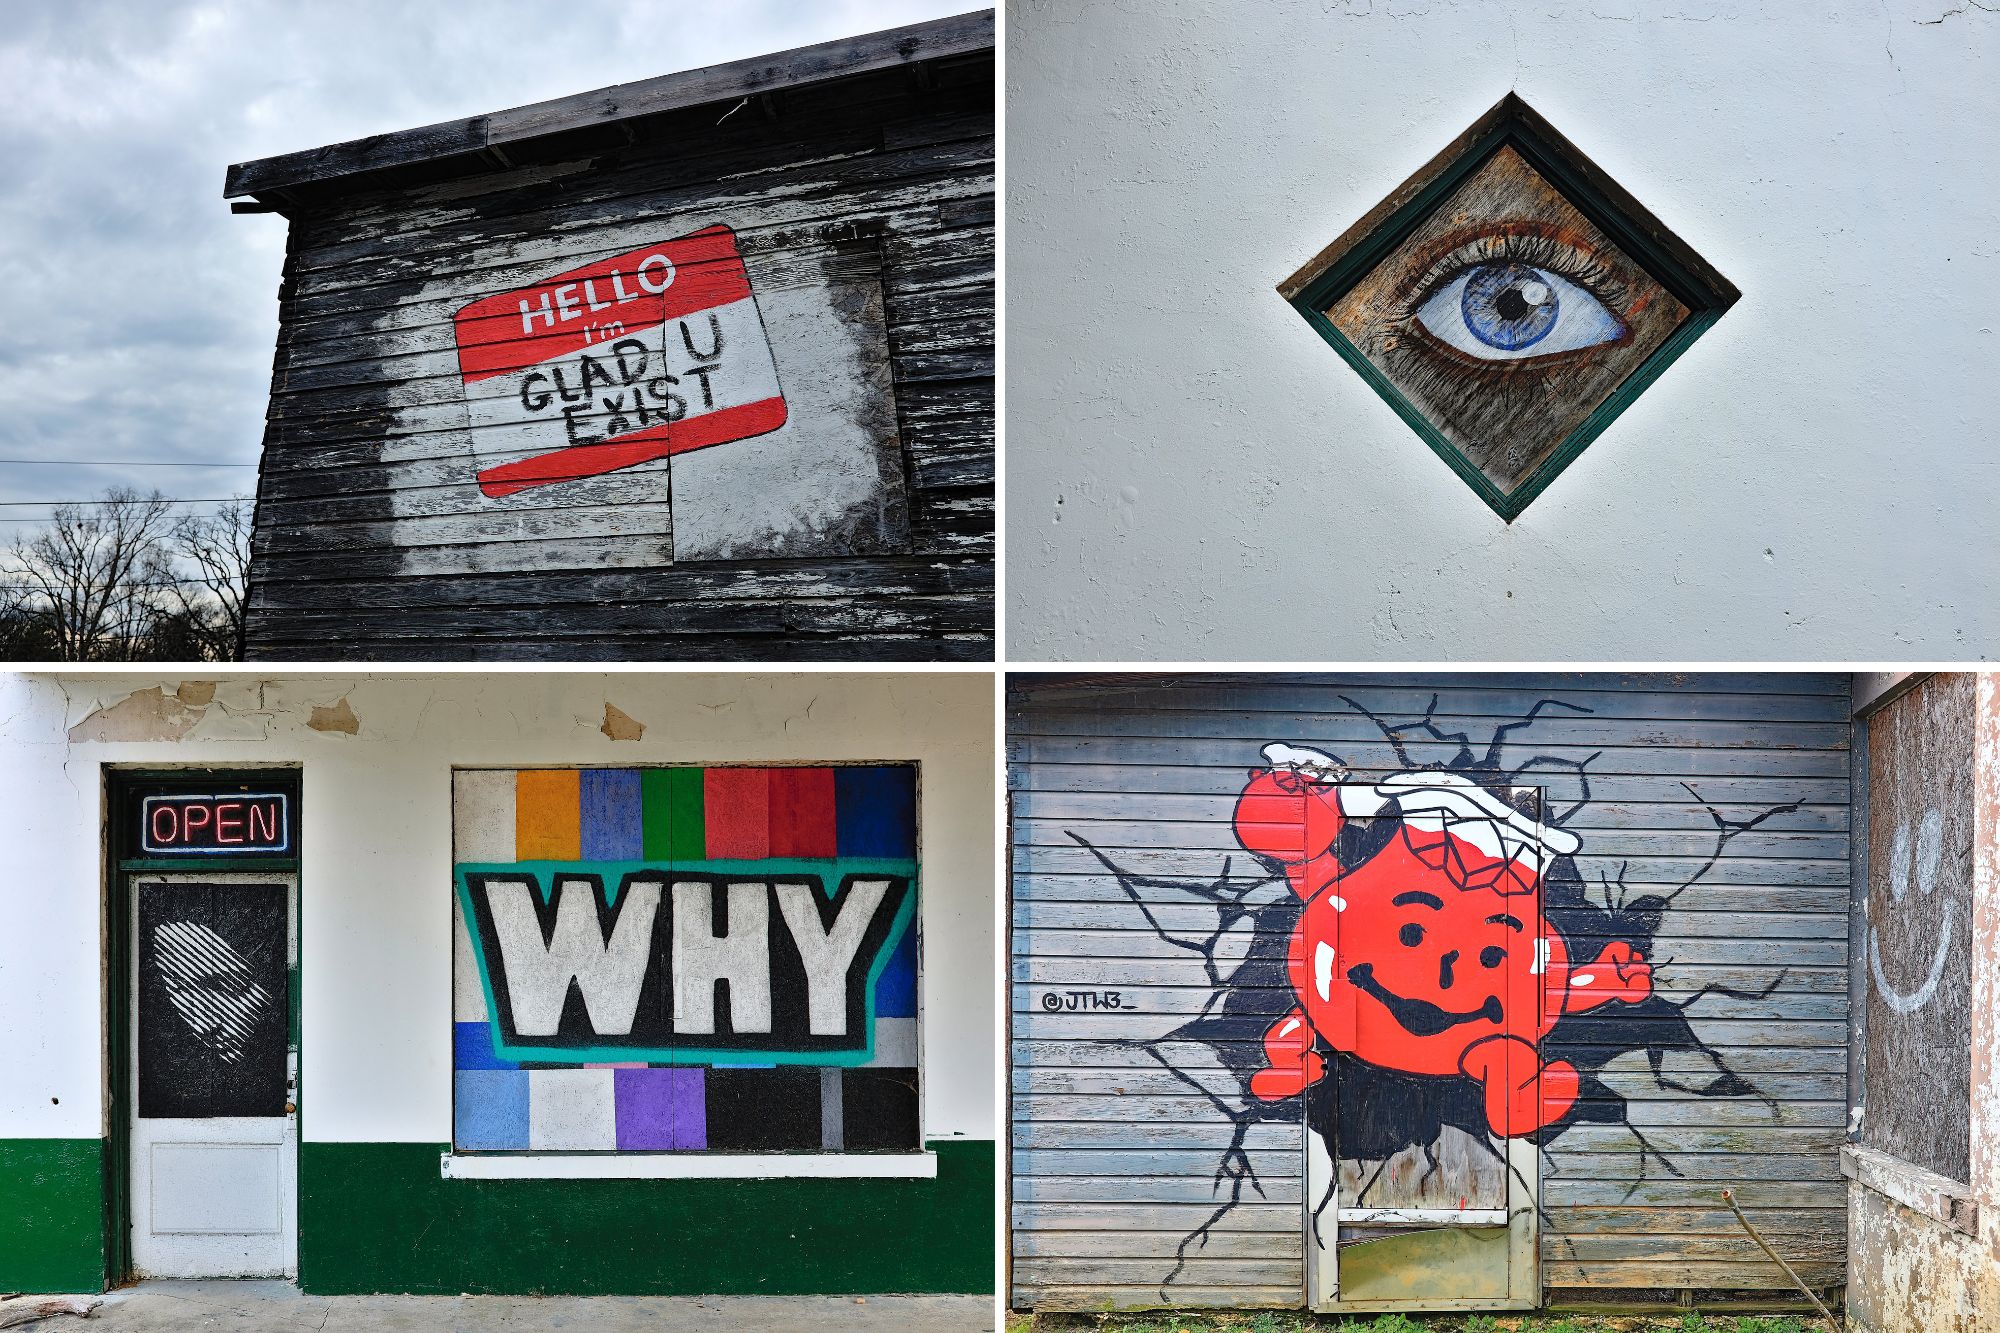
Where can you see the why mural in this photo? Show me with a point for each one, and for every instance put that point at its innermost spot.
(676, 959)
(1426, 942)
(664, 961)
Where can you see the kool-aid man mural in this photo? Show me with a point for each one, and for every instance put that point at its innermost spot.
(1426, 964)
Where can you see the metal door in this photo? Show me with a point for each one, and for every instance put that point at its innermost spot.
(1426, 951)
(214, 1138)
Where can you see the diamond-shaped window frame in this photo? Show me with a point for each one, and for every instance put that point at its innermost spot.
(1628, 223)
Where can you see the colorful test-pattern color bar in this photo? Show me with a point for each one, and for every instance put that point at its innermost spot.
(686, 1110)
(687, 815)
(714, 814)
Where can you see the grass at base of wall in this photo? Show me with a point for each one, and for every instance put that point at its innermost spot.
(1264, 1321)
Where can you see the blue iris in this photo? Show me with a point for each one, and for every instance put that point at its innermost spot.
(1509, 306)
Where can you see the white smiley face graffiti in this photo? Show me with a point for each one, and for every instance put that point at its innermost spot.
(1928, 858)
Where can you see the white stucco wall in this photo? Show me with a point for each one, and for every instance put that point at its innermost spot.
(1193, 473)
(375, 836)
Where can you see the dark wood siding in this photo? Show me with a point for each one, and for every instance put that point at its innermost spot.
(369, 541)
(1118, 1160)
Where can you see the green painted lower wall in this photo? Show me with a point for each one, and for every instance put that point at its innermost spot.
(378, 1217)
(51, 1215)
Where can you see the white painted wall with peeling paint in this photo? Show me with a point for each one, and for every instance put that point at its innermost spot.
(1193, 473)
(375, 837)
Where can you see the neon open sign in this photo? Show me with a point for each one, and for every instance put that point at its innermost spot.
(215, 825)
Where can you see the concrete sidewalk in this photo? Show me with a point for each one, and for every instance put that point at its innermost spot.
(280, 1307)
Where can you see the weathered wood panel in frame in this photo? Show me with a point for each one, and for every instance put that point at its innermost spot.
(852, 520)
(1147, 969)
(1918, 954)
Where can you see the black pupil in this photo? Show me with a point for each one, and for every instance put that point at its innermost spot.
(1491, 955)
(1412, 935)
(1511, 304)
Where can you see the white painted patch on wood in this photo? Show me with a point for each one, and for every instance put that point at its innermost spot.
(482, 815)
(572, 1110)
(895, 1044)
(829, 482)
(691, 1166)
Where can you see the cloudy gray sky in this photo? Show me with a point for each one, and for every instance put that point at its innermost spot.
(140, 315)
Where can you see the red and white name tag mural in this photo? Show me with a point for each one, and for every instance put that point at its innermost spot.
(647, 354)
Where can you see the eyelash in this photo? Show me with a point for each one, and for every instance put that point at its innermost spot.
(1523, 247)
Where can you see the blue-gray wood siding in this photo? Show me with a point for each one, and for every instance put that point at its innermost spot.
(1117, 1159)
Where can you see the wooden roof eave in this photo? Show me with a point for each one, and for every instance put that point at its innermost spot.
(355, 164)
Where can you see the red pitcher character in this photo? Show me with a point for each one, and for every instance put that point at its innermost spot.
(1432, 956)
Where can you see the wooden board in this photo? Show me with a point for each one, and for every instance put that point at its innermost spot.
(1132, 1124)
(959, 35)
(1917, 956)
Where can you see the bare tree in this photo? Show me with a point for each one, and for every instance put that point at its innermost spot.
(214, 551)
(97, 574)
(24, 629)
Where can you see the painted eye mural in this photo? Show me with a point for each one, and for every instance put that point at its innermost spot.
(1505, 310)
(1508, 301)
(1426, 965)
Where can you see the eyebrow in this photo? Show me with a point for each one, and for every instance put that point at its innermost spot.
(1417, 896)
(1504, 920)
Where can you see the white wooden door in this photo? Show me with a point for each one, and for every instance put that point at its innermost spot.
(214, 1076)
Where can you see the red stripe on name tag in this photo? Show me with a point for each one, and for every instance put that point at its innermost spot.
(570, 311)
(592, 460)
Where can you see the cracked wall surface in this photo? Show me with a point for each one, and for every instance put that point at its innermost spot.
(376, 752)
(1179, 436)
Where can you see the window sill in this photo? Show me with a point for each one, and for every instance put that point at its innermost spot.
(1921, 1191)
(687, 1166)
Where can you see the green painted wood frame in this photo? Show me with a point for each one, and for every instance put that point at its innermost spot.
(1513, 123)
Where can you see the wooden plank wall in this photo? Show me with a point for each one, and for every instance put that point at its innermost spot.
(362, 548)
(1117, 1162)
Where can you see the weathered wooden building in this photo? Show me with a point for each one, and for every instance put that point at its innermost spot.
(697, 367)
(1427, 991)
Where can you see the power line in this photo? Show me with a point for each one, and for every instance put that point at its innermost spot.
(17, 504)
(149, 583)
(50, 520)
(112, 462)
